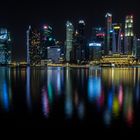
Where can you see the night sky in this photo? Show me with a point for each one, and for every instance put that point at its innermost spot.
(17, 15)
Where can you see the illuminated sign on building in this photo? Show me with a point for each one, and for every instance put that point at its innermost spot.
(95, 44)
(117, 27)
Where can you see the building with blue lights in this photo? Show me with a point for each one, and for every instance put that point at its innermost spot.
(47, 39)
(95, 50)
(97, 43)
(5, 47)
(54, 55)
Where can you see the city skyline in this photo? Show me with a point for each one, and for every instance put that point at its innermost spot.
(18, 16)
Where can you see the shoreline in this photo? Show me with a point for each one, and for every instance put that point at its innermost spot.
(73, 66)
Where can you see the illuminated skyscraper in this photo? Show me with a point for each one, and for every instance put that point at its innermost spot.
(69, 40)
(33, 46)
(97, 43)
(108, 29)
(5, 47)
(47, 39)
(80, 49)
(116, 46)
(129, 34)
(137, 49)
(81, 54)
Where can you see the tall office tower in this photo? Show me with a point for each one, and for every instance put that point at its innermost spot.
(96, 44)
(129, 34)
(134, 51)
(138, 49)
(47, 39)
(33, 47)
(98, 36)
(28, 44)
(108, 36)
(5, 47)
(69, 40)
(98, 33)
(82, 50)
(116, 46)
(122, 42)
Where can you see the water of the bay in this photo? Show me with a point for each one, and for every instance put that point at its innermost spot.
(56, 97)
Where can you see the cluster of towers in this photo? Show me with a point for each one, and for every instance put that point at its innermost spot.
(76, 45)
(119, 40)
(113, 38)
(42, 46)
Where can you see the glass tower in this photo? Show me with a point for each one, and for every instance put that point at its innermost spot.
(5, 47)
(116, 46)
(47, 39)
(129, 34)
(69, 39)
(108, 29)
(33, 47)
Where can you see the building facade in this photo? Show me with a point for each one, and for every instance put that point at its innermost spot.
(69, 40)
(33, 46)
(47, 39)
(138, 49)
(5, 47)
(97, 43)
(129, 34)
(80, 49)
(116, 46)
(108, 33)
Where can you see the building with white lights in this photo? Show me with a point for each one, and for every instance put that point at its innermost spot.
(69, 40)
(129, 34)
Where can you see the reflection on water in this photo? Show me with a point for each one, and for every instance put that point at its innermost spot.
(108, 96)
(5, 89)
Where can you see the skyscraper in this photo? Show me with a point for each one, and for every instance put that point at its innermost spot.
(96, 44)
(80, 49)
(138, 49)
(129, 34)
(33, 46)
(82, 41)
(69, 40)
(47, 39)
(108, 29)
(116, 46)
(5, 47)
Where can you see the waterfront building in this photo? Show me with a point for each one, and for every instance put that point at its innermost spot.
(116, 46)
(95, 50)
(122, 43)
(83, 54)
(47, 39)
(5, 47)
(118, 60)
(97, 43)
(129, 34)
(138, 49)
(54, 55)
(69, 40)
(80, 49)
(33, 46)
(108, 33)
